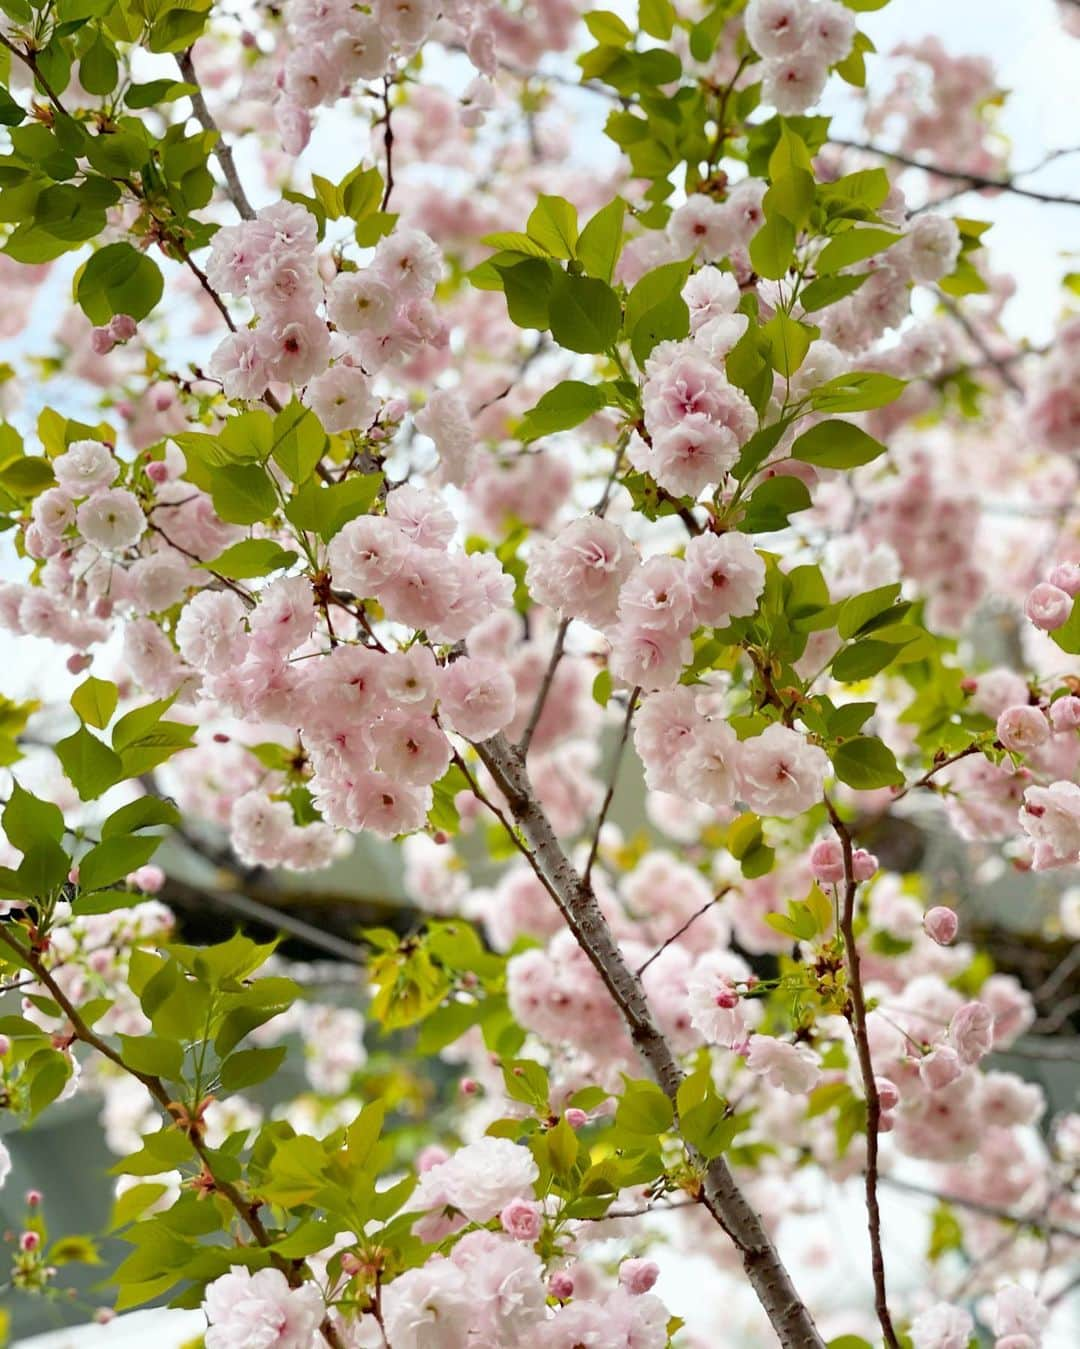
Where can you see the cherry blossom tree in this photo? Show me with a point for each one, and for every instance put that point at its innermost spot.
(598, 424)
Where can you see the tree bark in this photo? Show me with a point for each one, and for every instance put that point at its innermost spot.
(576, 901)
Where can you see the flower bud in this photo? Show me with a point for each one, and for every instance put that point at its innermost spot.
(888, 1095)
(157, 472)
(520, 1219)
(101, 341)
(1022, 728)
(638, 1276)
(1066, 576)
(1065, 713)
(827, 861)
(561, 1286)
(577, 1119)
(122, 327)
(1048, 607)
(863, 864)
(941, 924)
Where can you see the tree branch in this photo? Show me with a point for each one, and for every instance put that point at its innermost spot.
(720, 1194)
(856, 1018)
(977, 181)
(222, 150)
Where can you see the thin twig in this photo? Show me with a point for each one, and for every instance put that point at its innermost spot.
(856, 1018)
(679, 931)
(978, 1206)
(545, 687)
(927, 778)
(613, 778)
(222, 150)
(388, 142)
(977, 181)
(999, 366)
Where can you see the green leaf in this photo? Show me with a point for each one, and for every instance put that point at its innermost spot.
(299, 441)
(608, 28)
(862, 659)
(828, 289)
(325, 510)
(644, 1109)
(600, 243)
(772, 249)
(849, 719)
(114, 858)
(1067, 636)
(144, 813)
(553, 225)
(118, 279)
(95, 701)
(157, 91)
(251, 557)
(865, 762)
(567, 405)
(773, 502)
(43, 869)
(248, 1067)
(584, 313)
(28, 820)
(91, 766)
(792, 192)
(657, 18)
(789, 341)
(836, 444)
(655, 289)
(154, 1055)
(854, 245)
(98, 69)
(859, 391)
(243, 494)
(857, 611)
(528, 285)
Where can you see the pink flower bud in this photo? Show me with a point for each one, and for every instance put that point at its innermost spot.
(469, 1086)
(73, 876)
(521, 1220)
(1065, 713)
(638, 1276)
(103, 607)
(122, 327)
(941, 924)
(5, 1045)
(79, 662)
(561, 1286)
(157, 472)
(103, 1316)
(968, 685)
(888, 1096)
(577, 1119)
(1066, 576)
(29, 1241)
(1022, 728)
(939, 1068)
(350, 1264)
(1048, 606)
(863, 864)
(33, 1198)
(101, 341)
(827, 861)
(148, 879)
